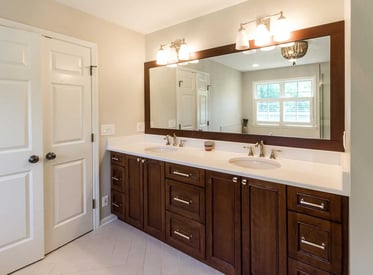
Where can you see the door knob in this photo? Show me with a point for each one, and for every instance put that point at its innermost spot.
(33, 159)
(50, 156)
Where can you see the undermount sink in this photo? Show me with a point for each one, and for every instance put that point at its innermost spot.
(161, 149)
(255, 163)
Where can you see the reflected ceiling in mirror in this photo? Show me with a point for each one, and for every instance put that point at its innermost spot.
(255, 95)
(252, 92)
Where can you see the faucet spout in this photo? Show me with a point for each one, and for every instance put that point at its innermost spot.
(261, 148)
(174, 143)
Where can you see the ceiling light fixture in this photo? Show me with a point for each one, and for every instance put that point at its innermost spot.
(173, 52)
(292, 53)
(263, 35)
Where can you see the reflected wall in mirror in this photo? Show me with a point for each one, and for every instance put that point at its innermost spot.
(253, 92)
(258, 94)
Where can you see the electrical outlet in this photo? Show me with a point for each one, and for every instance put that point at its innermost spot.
(104, 201)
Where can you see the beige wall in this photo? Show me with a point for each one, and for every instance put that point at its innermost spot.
(120, 58)
(361, 200)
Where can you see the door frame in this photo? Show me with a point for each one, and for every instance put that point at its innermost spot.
(94, 103)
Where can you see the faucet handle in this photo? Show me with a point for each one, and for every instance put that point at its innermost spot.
(182, 142)
(251, 152)
(273, 153)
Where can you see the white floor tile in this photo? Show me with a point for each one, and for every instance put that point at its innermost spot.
(117, 249)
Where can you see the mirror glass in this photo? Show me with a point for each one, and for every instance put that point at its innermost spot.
(262, 94)
(258, 92)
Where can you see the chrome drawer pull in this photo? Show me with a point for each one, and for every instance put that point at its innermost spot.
(114, 158)
(182, 235)
(115, 178)
(182, 201)
(181, 174)
(116, 205)
(322, 246)
(321, 206)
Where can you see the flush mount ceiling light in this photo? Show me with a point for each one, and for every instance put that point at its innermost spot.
(294, 52)
(173, 52)
(263, 35)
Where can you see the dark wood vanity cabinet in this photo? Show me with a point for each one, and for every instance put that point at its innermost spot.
(235, 224)
(317, 232)
(118, 184)
(264, 245)
(185, 209)
(223, 222)
(142, 194)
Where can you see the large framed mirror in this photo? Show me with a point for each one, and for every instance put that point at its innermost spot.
(259, 94)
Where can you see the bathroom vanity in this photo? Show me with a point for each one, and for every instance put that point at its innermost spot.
(287, 219)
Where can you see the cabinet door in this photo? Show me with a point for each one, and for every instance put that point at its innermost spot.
(223, 224)
(154, 200)
(263, 227)
(134, 192)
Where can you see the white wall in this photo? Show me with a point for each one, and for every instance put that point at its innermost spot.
(120, 58)
(361, 200)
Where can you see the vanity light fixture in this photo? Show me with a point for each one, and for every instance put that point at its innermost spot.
(263, 35)
(173, 52)
(294, 52)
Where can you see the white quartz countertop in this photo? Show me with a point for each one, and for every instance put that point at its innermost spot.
(308, 174)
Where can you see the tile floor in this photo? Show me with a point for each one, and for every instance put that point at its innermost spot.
(117, 249)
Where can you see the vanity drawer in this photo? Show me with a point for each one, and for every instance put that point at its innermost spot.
(185, 174)
(315, 241)
(118, 178)
(117, 204)
(299, 268)
(315, 203)
(118, 158)
(186, 200)
(186, 235)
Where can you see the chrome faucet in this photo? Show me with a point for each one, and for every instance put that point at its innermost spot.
(251, 152)
(174, 143)
(261, 148)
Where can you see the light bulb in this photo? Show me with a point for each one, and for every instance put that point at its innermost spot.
(282, 29)
(184, 52)
(161, 56)
(262, 35)
(242, 39)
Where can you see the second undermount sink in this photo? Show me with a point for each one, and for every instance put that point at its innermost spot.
(255, 163)
(161, 149)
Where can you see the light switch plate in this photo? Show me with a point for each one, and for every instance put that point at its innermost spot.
(107, 129)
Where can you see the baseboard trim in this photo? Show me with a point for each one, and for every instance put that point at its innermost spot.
(108, 219)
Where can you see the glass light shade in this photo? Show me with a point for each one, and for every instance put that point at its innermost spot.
(262, 35)
(282, 30)
(184, 52)
(162, 56)
(242, 40)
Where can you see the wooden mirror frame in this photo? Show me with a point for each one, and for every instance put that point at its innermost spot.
(337, 95)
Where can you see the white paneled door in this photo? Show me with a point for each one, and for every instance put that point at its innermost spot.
(186, 100)
(67, 142)
(21, 170)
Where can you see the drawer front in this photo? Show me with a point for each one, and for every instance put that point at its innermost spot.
(118, 204)
(314, 203)
(186, 200)
(185, 174)
(185, 235)
(118, 158)
(118, 178)
(299, 268)
(315, 241)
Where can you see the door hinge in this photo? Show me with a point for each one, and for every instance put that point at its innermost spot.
(92, 137)
(93, 204)
(91, 69)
